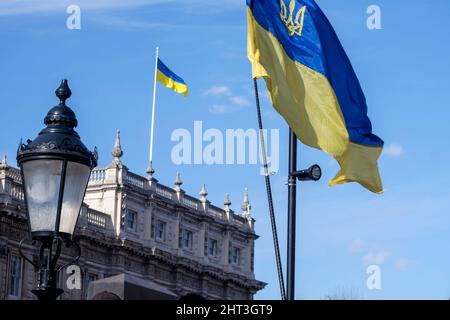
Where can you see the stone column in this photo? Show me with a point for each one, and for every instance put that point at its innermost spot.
(201, 241)
(105, 195)
(5, 182)
(225, 248)
(248, 256)
(114, 202)
(227, 291)
(176, 231)
(3, 268)
(148, 212)
(204, 280)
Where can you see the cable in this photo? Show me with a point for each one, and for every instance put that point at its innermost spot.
(269, 195)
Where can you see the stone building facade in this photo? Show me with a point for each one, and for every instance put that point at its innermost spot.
(136, 226)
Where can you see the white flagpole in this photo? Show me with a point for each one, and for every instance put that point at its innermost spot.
(153, 111)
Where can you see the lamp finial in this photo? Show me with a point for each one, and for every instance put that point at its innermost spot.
(63, 92)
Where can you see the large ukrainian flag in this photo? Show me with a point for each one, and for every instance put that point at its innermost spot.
(312, 84)
(168, 78)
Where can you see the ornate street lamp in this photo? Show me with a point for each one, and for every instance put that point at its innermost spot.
(55, 172)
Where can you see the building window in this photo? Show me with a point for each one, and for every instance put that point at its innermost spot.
(212, 247)
(90, 277)
(131, 220)
(152, 228)
(235, 256)
(186, 239)
(15, 277)
(160, 230)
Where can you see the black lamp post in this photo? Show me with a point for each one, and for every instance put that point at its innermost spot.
(55, 172)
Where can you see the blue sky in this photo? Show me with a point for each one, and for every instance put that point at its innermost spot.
(403, 69)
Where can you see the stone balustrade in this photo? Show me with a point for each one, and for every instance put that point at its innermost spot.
(94, 218)
(17, 192)
(99, 176)
(135, 180)
(14, 174)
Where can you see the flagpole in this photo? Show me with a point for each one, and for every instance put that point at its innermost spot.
(269, 195)
(292, 197)
(150, 159)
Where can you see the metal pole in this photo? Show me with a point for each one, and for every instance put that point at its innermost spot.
(269, 195)
(150, 158)
(292, 189)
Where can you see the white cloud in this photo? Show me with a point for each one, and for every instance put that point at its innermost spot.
(394, 150)
(233, 103)
(18, 7)
(401, 264)
(240, 101)
(217, 90)
(375, 258)
(356, 246)
(220, 109)
(127, 23)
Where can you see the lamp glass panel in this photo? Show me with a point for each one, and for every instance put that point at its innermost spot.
(316, 172)
(77, 176)
(42, 183)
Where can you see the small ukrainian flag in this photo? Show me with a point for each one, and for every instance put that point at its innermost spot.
(168, 78)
